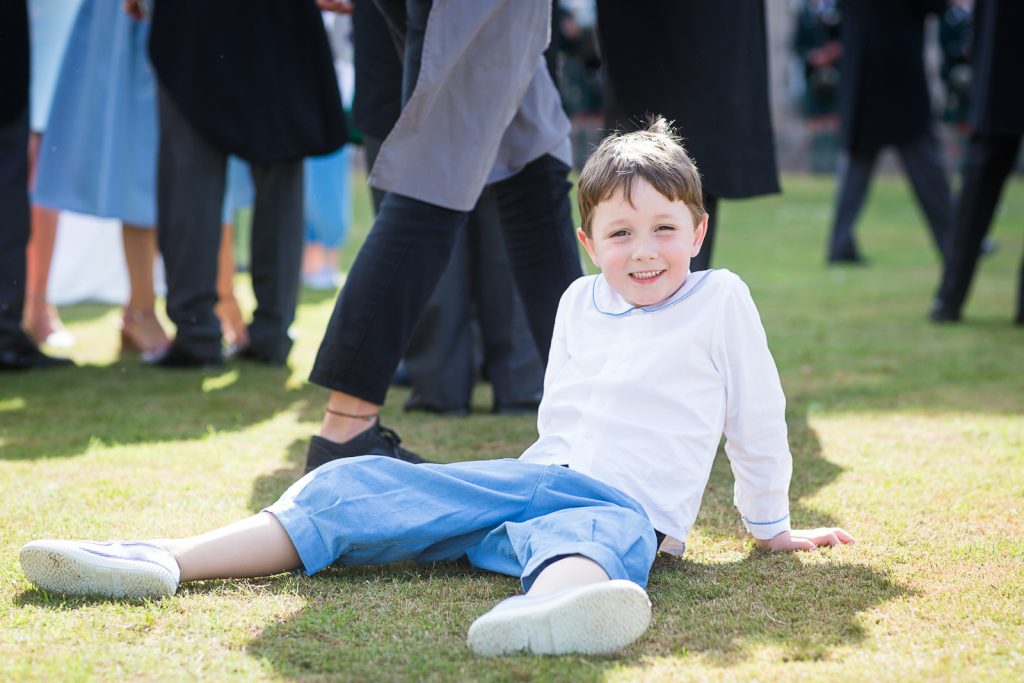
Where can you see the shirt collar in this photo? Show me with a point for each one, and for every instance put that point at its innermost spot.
(609, 302)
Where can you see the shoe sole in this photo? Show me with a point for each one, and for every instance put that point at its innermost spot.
(62, 567)
(598, 619)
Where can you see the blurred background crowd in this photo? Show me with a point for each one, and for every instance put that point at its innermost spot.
(850, 88)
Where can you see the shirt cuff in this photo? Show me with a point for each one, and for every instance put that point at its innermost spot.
(764, 531)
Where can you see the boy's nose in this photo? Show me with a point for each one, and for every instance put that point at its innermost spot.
(645, 250)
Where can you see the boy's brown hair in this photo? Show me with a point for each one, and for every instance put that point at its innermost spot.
(655, 154)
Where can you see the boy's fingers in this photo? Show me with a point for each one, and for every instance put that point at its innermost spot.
(843, 536)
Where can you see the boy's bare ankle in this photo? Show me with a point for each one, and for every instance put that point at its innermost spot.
(340, 430)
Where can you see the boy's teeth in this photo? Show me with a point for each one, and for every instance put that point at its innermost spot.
(647, 274)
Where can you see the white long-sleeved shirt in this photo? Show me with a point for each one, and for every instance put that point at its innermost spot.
(639, 398)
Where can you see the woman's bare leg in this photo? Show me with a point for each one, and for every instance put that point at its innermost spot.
(141, 328)
(255, 546)
(232, 324)
(40, 319)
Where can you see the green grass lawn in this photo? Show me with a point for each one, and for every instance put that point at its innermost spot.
(908, 435)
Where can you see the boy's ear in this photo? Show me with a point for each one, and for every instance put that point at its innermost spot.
(588, 244)
(700, 231)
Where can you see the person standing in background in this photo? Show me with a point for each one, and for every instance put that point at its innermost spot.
(223, 92)
(884, 102)
(997, 125)
(50, 24)
(17, 350)
(703, 65)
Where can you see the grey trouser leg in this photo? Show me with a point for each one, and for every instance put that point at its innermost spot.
(277, 238)
(191, 177)
(923, 161)
(853, 175)
(14, 225)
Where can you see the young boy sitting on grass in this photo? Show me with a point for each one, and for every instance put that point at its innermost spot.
(649, 365)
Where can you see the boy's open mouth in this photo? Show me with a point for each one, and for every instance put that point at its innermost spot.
(646, 275)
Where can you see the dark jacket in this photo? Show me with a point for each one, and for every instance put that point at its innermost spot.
(377, 100)
(13, 59)
(998, 61)
(883, 95)
(255, 77)
(704, 65)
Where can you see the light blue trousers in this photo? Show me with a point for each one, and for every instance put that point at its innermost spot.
(506, 516)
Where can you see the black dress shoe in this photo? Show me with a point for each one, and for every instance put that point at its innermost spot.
(175, 357)
(847, 260)
(251, 353)
(23, 354)
(377, 440)
(941, 313)
(415, 404)
(517, 408)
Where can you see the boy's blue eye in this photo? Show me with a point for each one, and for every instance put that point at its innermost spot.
(666, 227)
(619, 233)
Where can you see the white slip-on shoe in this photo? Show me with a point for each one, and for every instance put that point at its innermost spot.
(598, 618)
(113, 570)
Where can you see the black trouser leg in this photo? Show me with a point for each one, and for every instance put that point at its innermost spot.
(191, 177)
(702, 261)
(923, 161)
(387, 288)
(537, 223)
(853, 175)
(277, 237)
(14, 226)
(987, 163)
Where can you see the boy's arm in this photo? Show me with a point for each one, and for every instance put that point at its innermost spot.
(755, 416)
(755, 429)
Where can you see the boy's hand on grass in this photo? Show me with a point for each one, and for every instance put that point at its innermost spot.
(807, 539)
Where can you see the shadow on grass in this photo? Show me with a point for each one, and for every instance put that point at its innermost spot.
(59, 412)
(409, 622)
(267, 488)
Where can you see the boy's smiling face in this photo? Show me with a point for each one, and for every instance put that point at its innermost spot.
(644, 247)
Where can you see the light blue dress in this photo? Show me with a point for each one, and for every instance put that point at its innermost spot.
(98, 156)
(49, 26)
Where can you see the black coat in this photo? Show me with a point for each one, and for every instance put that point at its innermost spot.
(704, 65)
(997, 100)
(883, 94)
(13, 59)
(255, 77)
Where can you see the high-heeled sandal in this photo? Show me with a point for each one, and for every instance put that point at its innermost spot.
(134, 339)
(47, 329)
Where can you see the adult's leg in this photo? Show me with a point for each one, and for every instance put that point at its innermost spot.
(513, 366)
(15, 233)
(277, 234)
(987, 163)
(191, 177)
(40, 318)
(537, 223)
(439, 357)
(702, 261)
(924, 162)
(139, 327)
(853, 175)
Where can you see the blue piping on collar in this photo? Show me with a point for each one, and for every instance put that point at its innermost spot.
(648, 309)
